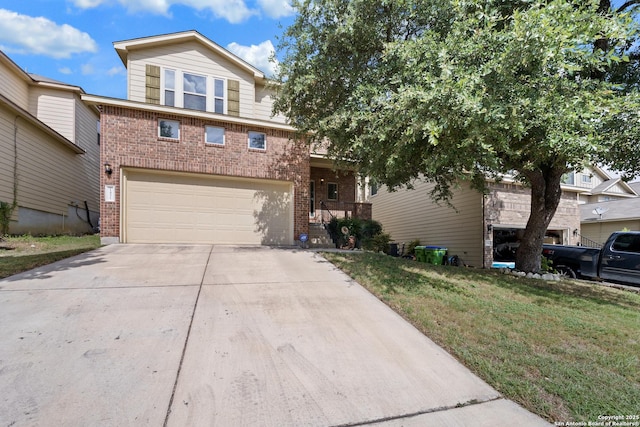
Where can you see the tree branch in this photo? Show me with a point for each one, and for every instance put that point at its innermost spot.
(627, 5)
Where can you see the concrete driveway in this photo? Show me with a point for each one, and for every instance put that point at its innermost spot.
(135, 335)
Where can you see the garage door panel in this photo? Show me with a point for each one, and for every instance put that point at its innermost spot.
(203, 209)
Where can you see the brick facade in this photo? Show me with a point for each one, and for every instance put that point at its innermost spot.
(129, 138)
(346, 181)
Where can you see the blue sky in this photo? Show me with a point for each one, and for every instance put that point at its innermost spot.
(72, 40)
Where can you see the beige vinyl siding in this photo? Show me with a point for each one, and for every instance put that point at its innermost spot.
(14, 87)
(264, 105)
(601, 230)
(6, 154)
(55, 108)
(617, 189)
(191, 57)
(86, 124)
(410, 214)
(50, 175)
(596, 179)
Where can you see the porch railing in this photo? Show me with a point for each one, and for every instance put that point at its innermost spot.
(585, 241)
(330, 209)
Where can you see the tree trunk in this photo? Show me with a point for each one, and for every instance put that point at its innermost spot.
(545, 197)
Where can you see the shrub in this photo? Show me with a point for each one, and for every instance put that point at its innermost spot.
(410, 249)
(377, 243)
(363, 230)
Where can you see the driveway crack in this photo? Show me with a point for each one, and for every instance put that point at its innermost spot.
(426, 411)
(186, 341)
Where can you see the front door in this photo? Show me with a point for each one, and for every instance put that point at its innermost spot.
(312, 199)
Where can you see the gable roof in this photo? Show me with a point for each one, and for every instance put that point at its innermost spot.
(606, 186)
(124, 47)
(27, 116)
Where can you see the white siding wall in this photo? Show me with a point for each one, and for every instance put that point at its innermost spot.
(193, 57)
(410, 214)
(56, 108)
(14, 87)
(50, 175)
(264, 105)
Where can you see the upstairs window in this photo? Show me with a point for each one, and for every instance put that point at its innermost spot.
(170, 88)
(569, 178)
(218, 96)
(195, 92)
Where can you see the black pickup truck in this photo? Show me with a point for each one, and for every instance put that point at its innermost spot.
(617, 261)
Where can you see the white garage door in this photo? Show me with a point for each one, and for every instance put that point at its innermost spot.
(190, 208)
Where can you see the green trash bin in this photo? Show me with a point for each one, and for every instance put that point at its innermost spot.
(434, 254)
(420, 256)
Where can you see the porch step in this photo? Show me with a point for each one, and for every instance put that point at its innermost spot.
(319, 237)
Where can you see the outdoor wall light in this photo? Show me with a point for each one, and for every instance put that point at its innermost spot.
(489, 227)
(107, 169)
(321, 181)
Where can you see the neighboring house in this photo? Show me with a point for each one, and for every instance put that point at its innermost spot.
(484, 229)
(595, 185)
(194, 154)
(599, 220)
(49, 154)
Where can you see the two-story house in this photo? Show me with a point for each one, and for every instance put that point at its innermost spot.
(194, 155)
(49, 154)
(483, 229)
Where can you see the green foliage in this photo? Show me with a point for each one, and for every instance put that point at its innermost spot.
(450, 91)
(411, 247)
(546, 265)
(22, 253)
(377, 243)
(363, 230)
(6, 210)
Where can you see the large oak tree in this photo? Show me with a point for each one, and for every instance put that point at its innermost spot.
(466, 90)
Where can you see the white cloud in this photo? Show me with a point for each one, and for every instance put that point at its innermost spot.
(87, 69)
(258, 56)
(65, 70)
(41, 36)
(277, 8)
(234, 11)
(113, 71)
(87, 4)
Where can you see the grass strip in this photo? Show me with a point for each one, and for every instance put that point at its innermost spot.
(22, 253)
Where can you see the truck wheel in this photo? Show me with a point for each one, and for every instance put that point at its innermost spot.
(566, 271)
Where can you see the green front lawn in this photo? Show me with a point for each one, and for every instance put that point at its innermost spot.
(22, 253)
(568, 351)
